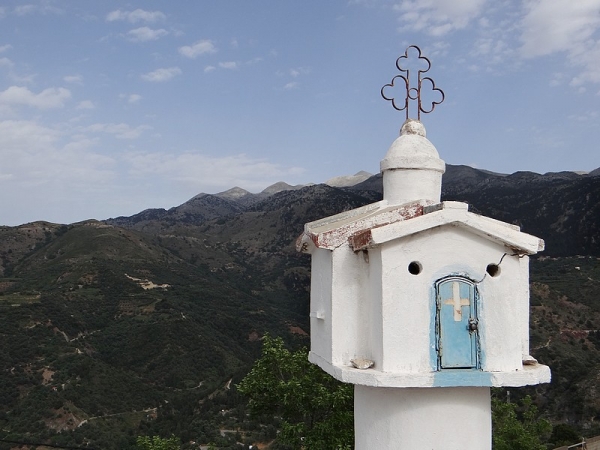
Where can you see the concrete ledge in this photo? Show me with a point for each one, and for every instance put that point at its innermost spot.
(530, 375)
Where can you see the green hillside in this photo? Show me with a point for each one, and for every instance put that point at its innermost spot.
(105, 332)
(143, 325)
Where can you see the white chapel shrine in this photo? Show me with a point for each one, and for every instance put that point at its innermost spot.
(422, 305)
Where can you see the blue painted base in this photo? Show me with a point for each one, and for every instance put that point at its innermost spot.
(459, 377)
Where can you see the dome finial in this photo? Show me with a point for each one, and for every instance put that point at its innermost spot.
(412, 126)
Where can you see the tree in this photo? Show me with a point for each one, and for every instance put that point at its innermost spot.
(516, 426)
(564, 434)
(157, 443)
(316, 409)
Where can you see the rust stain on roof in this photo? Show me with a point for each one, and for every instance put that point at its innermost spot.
(357, 229)
(360, 240)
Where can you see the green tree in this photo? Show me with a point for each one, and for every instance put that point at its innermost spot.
(157, 443)
(564, 434)
(316, 409)
(516, 426)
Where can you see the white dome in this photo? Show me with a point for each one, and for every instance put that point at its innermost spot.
(412, 168)
(412, 150)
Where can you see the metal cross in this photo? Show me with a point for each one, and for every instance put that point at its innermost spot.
(457, 302)
(412, 93)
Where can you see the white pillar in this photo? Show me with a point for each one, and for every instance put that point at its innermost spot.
(457, 418)
(412, 169)
(407, 185)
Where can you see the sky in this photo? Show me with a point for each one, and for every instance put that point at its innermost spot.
(109, 107)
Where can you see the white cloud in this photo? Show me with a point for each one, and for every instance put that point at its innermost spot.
(197, 49)
(48, 98)
(139, 15)
(290, 86)
(296, 72)
(47, 173)
(27, 136)
(202, 172)
(75, 79)
(587, 57)
(5, 62)
(439, 48)
(209, 69)
(119, 130)
(164, 74)
(42, 8)
(12, 75)
(231, 65)
(33, 154)
(493, 29)
(495, 49)
(5, 47)
(588, 116)
(557, 25)
(368, 3)
(22, 10)
(545, 138)
(131, 98)
(437, 17)
(86, 104)
(557, 79)
(134, 98)
(145, 34)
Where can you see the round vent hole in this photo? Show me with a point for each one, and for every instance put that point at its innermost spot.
(415, 268)
(493, 270)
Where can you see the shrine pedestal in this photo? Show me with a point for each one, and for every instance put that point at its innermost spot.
(422, 418)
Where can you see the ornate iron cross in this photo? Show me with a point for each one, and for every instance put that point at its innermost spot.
(412, 93)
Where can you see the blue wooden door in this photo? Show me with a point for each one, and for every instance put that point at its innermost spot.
(456, 323)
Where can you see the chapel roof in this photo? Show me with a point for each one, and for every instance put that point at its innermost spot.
(378, 223)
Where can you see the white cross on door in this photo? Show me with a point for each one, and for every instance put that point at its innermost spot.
(457, 302)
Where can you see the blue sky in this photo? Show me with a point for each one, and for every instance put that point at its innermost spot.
(108, 108)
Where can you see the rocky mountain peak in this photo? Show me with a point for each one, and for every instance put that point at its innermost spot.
(281, 186)
(349, 180)
(235, 193)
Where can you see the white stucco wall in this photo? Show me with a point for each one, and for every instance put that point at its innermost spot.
(408, 302)
(422, 418)
(504, 316)
(320, 303)
(525, 307)
(351, 313)
(406, 307)
(374, 327)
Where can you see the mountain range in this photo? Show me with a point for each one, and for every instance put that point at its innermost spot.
(143, 324)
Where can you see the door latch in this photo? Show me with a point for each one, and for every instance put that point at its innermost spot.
(473, 324)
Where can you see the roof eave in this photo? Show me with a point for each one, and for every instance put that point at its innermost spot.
(506, 234)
